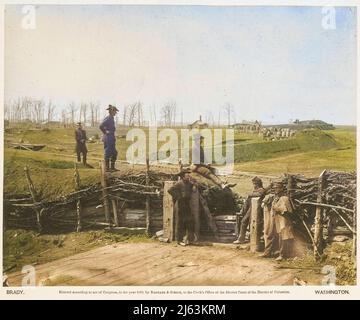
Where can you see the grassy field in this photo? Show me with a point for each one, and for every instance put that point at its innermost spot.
(53, 176)
(309, 153)
(52, 171)
(334, 151)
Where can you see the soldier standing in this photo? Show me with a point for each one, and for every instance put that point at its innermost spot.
(80, 138)
(107, 127)
(182, 193)
(278, 229)
(258, 191)
(200, 164)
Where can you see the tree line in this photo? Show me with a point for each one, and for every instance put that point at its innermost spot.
(39, 111)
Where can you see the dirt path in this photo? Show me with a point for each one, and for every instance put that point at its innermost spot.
(161, 264)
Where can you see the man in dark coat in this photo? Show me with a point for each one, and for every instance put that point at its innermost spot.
(258, 191)
(278, 231)
(182, 193)
(80, 138)
(108, 128)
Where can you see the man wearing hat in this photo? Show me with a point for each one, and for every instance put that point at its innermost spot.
(258, 191)
(107, 127)
(198, 150)
(200, 164)
(80, 138)
(182, 193)
(278, 231)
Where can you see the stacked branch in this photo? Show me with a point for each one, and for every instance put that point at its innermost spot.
(334, 200)
(61, 213)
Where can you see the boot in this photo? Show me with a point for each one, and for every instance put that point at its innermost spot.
(113, 166)
(241, 238)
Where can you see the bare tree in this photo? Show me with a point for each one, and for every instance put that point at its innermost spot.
(168, 113)
(83, 112)
(39, 110)
(133, 114)
(63, 117)
(72, 108)
(153, 118)
(97, 111)
(50, 111)
(124, 115)
(26, 106)
(28, 109)
(140, 113)
(17, 109)
(209, 118)
(229, 111)
(7, 111)
(94, 111)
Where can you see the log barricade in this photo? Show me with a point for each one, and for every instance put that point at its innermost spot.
(325, 206)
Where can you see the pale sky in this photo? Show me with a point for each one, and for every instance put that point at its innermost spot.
(271, 63)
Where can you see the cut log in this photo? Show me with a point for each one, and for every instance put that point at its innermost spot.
(318, 234)
(105, 192)
(115, 212)
(125, 230)
(147, 182)
(78, 201)
(255, 227)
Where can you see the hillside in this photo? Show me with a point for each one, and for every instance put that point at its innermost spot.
(304, 141)
(309, 152)
(311, 162)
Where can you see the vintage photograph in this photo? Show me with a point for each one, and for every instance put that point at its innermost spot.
(179, 145)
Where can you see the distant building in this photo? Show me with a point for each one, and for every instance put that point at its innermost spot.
(198, 124)
(248, 126)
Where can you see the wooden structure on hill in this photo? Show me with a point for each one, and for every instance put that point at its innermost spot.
(198, 124)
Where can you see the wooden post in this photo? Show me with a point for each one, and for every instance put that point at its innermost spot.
(148, 218)
(34, 197)
(168, 212)
(318, 234)
(115, 212)
(78, 201)
(255, 219)
(104, 192)
(353, 253)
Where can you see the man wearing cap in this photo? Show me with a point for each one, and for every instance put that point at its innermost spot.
(182, 193)
(258, 191)
(278, 231)
(107, 127)
(80, 138)
(198, 150)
